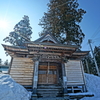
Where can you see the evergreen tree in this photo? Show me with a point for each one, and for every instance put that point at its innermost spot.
(22, 32)
(90, 64)
(0, 61)
(97, 55)
(6, 62)
(62, 20)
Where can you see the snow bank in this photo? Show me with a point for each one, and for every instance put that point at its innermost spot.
(93, 85)
(10, 90)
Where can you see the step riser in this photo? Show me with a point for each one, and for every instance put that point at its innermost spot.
(50, 95)
(49, 87)
(49, 91)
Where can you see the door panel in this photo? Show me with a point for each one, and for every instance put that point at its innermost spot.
(42, 76)
(47, 74)
(52, 79)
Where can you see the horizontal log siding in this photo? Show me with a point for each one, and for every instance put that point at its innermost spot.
(74, 72)
(22, 70)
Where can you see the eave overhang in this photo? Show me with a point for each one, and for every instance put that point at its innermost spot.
(80, 54)
(45, 49)
(41, 48)
(13, 50)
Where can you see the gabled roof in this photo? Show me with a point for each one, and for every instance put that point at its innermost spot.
(47, 44)
(47, 37)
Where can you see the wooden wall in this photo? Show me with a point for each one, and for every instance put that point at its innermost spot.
(74, 72)
(22, 70)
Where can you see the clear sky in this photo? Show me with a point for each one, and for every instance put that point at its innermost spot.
(12, 11)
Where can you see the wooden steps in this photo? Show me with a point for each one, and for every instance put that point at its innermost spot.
(49, 91)
(52, 98)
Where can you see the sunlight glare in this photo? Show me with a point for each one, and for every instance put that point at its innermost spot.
(3, 24)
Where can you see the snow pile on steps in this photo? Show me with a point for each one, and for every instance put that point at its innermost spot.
(93, 85)
(10, 90)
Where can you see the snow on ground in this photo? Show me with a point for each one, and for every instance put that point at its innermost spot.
(93, 86)
(10, 90)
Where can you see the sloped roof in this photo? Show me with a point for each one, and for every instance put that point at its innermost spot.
(46, 44)
(47, 37)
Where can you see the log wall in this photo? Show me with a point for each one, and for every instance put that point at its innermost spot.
(74, 72)
(22, 70)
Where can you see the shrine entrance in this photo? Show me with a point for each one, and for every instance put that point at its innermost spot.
(48, 73)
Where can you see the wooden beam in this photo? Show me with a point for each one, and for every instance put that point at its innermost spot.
(53, 46)
(50, 49)
(45, 53)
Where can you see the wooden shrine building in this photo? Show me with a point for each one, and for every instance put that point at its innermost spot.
(47, 67)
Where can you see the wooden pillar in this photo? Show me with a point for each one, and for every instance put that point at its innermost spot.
(87, 66)
(35, 79)
(10, 65)
(64, 79)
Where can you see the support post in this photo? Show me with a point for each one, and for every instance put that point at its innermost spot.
(64, 79)
(10, 65)
(87, 66)
(35, 79)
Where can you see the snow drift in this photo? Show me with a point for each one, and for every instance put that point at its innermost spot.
(10, 90)
(93, 86)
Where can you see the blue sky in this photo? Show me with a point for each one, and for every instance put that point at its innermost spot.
(13, 10)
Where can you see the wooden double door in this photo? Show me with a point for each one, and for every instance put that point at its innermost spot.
(47, 73)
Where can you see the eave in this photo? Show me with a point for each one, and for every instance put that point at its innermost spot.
(14, 48)
(43, 48)
(80, 54)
